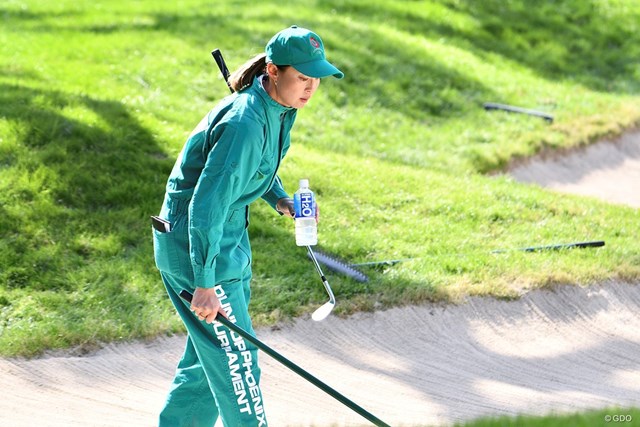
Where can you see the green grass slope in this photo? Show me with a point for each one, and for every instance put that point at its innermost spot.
(97, 98)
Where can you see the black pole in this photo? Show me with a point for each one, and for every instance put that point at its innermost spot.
(217, 55)
(581, 245)
(295, 368)
(512, 109)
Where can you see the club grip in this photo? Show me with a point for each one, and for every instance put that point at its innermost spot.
(217, 56)
(186, 295)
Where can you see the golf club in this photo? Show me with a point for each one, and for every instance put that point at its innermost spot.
(322, 312)
(556, 247)
(512, 109)
(187, 296)
(352, 269)
(217, 56)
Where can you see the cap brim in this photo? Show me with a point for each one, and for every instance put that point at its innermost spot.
(318, 69)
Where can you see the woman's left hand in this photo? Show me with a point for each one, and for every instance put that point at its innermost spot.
(285, 207)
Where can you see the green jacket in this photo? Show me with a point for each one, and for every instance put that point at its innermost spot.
(230, 160)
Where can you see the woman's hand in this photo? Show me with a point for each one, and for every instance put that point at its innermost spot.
(206, 305)
(285, 207)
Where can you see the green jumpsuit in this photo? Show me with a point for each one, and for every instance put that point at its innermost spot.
(230, 160)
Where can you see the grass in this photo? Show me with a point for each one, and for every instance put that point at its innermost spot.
(609, 416)
(97, 99)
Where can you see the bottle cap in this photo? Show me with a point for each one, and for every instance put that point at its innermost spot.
(304, 183)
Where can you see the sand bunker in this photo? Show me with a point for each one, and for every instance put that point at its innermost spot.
(565, 349)
(609, 170)
(555, 350)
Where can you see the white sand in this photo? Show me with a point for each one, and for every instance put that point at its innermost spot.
(609, 170)
(551, 351)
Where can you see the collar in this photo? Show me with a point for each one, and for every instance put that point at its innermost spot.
(272, 105)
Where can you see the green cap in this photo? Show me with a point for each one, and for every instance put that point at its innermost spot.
(303, 50)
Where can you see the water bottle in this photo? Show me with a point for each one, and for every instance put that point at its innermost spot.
(304, 203)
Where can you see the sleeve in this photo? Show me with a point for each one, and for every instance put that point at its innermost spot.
(275, 193)
(233, 160)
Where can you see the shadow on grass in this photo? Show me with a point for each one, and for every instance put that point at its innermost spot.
(569, 39)
(95, 185)
(75, 204)
(418, 84)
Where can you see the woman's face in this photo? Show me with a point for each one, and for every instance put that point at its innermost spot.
(293, 88)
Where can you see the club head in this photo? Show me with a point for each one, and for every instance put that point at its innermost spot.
(322, 312)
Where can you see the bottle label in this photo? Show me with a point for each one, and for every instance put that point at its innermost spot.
(304, 205)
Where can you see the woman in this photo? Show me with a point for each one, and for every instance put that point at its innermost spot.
(230, 160)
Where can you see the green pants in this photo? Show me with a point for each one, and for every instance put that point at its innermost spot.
(218, 375)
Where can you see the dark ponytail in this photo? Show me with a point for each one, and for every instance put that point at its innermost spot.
(243, 76)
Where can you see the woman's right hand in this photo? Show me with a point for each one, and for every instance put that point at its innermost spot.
(206, 305)
(285, 207)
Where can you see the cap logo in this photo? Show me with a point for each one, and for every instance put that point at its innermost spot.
(314, 42)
